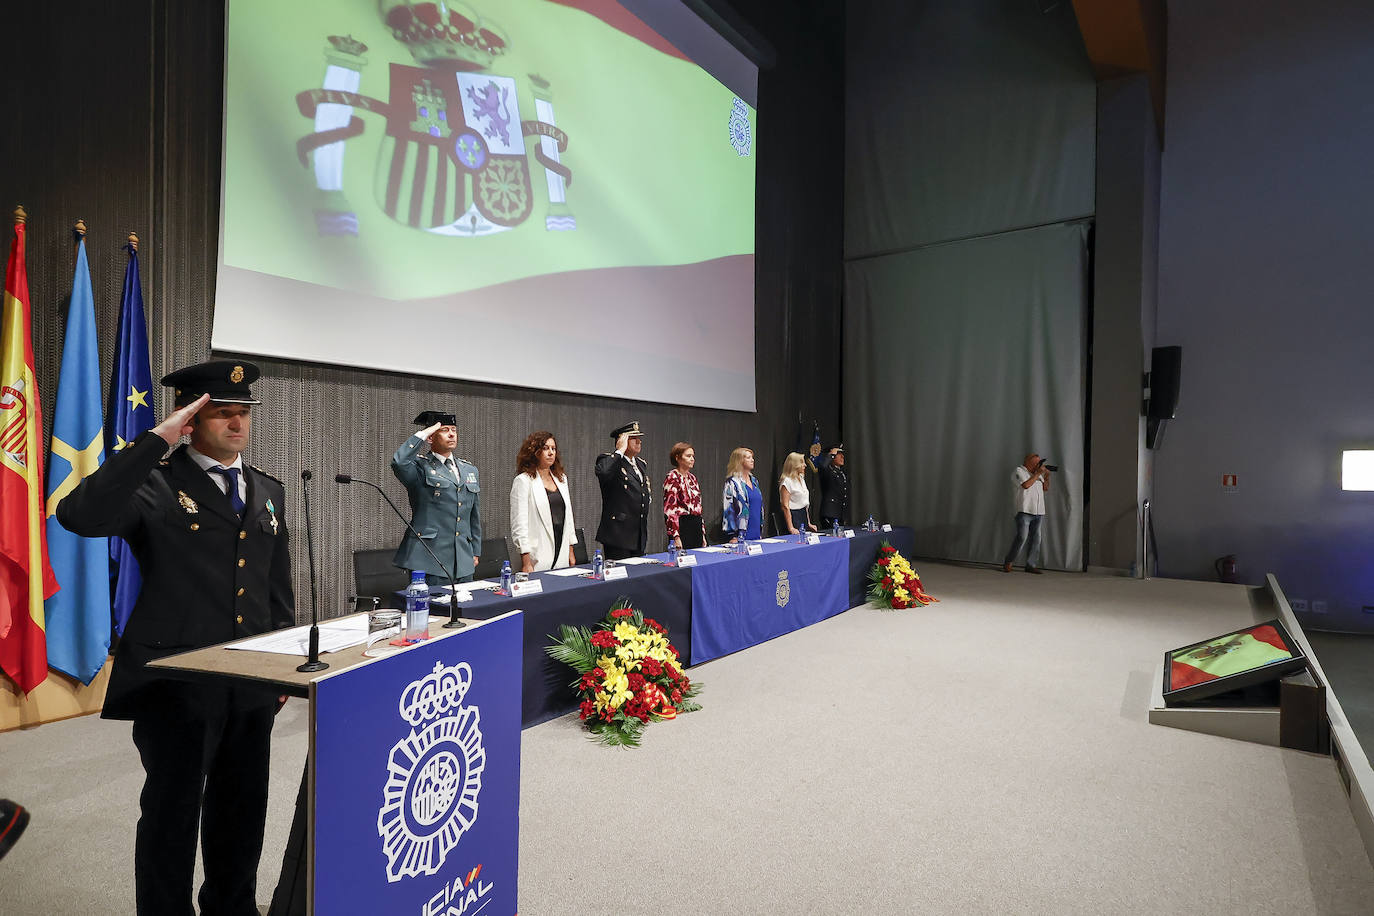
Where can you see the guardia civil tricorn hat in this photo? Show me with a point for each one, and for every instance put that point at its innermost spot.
(226, 381)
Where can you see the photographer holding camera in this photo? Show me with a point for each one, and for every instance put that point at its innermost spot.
(1032, 479)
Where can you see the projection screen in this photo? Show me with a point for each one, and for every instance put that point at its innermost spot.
(550, 194)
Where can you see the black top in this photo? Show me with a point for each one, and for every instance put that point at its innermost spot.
(558, 514)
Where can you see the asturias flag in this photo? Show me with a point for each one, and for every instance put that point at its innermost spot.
(79, 615)
(128, 414)
(25, 576)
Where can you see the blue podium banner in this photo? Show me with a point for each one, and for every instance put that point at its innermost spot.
(417, 779)
(738, 602)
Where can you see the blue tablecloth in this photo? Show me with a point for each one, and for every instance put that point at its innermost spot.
(738, 602)
(736, 598)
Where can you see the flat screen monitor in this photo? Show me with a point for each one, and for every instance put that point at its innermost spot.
(1230, 662)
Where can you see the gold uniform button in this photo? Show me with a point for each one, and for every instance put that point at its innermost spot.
(195, 526)
(240, 592)
(242, 535)
(242, 562)
(238, 619)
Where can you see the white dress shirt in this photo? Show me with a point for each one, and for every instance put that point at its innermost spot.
(205, 463)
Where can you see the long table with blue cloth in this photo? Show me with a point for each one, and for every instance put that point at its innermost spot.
(725, 603)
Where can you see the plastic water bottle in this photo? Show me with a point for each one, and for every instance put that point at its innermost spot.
(672, 552)
(505, 578)
(835, 527)
(871, 524)
(598, 565)
(417, 607)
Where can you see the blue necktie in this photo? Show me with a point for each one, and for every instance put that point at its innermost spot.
(232, 474)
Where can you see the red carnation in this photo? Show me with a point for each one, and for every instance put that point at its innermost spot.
(604, 639)
(652, 667)
(622, 612)
(654, 625)
(887, 581)
(677, 695)
(636, 681)
(889, 549)
(587, 708)
(882, 561)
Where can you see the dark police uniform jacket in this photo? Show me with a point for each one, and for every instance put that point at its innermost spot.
(445, 512)
(834, 492)
(625, 501)
(207, 576)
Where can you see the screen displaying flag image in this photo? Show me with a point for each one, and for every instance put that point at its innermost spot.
(543, 193)
(1231, 661)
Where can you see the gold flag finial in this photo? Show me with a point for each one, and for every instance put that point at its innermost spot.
(19, 215)
(133, 241)
(80, 228)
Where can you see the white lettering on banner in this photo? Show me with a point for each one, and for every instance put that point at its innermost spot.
(755, 550)
(686, 559)
(813, 538)
(615, 572)
(528, 587)
(434, 774)
(454, 899)
(887, 527)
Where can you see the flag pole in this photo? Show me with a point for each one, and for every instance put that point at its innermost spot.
(133, 241)
(79, 230)
(20, 217)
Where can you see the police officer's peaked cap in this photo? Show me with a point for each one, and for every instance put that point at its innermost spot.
(838, 446)
(632, 428)
(226, 381)
(430, 417)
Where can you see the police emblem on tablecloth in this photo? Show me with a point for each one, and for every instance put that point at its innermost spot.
(434, 774)
(741, 134)
(453, 157)
(784, 592)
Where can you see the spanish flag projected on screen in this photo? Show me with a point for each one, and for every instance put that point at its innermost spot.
(413, 149)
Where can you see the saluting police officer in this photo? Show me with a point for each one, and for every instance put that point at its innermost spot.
(210, 538)
(444, 501)
(625, 495)
(834, 487)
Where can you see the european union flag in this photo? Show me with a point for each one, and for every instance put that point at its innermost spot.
(78, 615)
(129, 413)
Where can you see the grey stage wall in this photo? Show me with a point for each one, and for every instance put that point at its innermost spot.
(1265, 279)
(953, 371)
(971, 126)
(112, 114)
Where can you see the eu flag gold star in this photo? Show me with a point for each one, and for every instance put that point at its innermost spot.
(137, 397)
(119, 441)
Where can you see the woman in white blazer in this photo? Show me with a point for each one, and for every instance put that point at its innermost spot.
(541, 515)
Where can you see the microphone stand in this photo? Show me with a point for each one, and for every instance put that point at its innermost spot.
(312, 663)
(453, 622)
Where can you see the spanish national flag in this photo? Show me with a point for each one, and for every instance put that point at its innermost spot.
(26, 578)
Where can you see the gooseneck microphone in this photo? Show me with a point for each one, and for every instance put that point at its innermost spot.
(453, 622)
(312, 663)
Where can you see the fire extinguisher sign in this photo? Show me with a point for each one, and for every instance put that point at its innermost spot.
(1228, 483)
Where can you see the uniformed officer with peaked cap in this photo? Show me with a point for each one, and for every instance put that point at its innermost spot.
(625, 495)
(834, 487)
(209, 533)
(445, 501)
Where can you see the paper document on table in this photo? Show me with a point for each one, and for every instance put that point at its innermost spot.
(568, 571)
(334, 635)
(636, 561)
(775, 540)
(470, 587)
(713, 550)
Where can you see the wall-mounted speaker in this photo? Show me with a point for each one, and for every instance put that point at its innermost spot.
(1165, 366)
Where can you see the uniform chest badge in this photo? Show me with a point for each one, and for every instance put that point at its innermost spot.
(472, 476)
(187, 503)
(272, 511)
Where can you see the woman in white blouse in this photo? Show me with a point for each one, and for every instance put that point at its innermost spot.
(541, 515)
(793, 495)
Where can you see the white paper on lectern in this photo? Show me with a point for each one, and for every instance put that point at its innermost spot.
(342, 633)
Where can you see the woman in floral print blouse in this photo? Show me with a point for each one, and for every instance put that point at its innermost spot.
(682, 499)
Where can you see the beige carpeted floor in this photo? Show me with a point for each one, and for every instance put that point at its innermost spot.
(989, 754)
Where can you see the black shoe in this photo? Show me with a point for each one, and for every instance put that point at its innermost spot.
(1033, 570)
(13, 820)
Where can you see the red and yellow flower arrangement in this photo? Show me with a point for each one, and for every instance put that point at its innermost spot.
(892, 583)
(629, 674)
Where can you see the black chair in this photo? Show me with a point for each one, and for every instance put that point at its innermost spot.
(375, 576)
(495, 551)
(580, 548)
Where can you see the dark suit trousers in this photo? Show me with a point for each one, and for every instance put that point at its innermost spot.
(205, 750)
